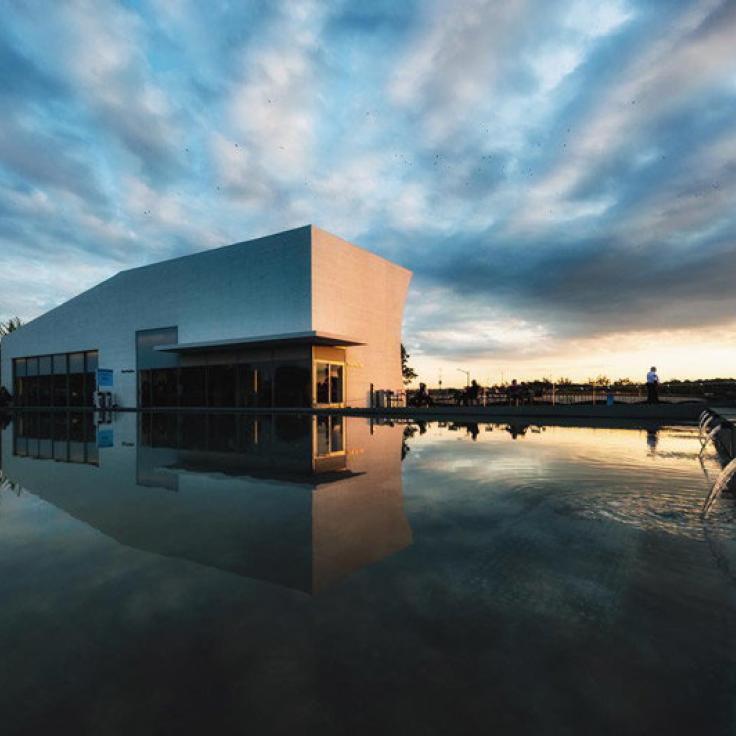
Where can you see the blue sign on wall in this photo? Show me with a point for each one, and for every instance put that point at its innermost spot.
(105, 437)
(104, 378)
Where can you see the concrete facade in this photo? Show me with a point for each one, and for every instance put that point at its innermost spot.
(295, 283)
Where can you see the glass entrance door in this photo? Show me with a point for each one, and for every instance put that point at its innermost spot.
(329, 383)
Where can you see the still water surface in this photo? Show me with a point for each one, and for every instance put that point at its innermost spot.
(215, 574)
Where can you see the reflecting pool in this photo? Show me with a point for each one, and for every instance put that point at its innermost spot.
(218, 573)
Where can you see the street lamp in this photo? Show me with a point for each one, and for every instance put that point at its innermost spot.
(467, 376)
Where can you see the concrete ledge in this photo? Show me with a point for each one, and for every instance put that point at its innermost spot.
(726, 439)
(682, 412)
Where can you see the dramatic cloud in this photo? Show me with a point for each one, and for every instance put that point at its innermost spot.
(559, 175)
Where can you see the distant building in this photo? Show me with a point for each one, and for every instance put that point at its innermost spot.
(297, 319)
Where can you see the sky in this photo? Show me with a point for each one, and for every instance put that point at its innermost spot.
(559, 176)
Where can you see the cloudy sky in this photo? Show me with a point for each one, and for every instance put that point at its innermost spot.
(560, 176)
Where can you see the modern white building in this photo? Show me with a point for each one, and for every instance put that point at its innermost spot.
(297, 319)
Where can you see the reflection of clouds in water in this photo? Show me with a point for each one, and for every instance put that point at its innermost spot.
(604, 474)
(674, 511)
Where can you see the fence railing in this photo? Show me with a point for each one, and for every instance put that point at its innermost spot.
(559, 394)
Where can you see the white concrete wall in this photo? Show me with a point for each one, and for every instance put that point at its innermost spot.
(247, 289)
(360, 295)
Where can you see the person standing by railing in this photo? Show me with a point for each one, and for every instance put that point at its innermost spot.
(652, 386)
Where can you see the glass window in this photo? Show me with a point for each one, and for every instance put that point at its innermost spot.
(90, 359)
(59, 362)
(44, 365)
(192, 381)
(291, 385)
(221, 385)
(44, 390)
(328, 383)
(145, 389)
(164, 387)
(59, 389)
(323, 383)
(32, 391)
(76, 389)
(20, 391)
(76, 362)
(19, 365)
(335, 384)
(32, 366)
(88, 392)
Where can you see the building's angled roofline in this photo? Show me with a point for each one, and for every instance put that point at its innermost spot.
(206, 251)
(361, 248)
(308, 337)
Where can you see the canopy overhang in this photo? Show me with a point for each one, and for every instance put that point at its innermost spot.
(310, 337)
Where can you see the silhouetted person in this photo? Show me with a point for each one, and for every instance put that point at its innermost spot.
(422, 397)
(472, 393)
(514, 393)
(473, 430)
(652, 440)
(652, 386)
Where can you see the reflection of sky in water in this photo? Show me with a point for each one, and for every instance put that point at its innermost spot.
(562, 582)
(653, 479)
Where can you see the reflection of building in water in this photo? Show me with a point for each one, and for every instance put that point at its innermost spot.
(300, 501)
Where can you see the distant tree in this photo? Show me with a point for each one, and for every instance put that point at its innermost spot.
(408, 373)
(10, 326)
(600, 381)
(623, 382)
(563, 381)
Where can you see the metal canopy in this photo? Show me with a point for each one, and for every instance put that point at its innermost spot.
(311, 337)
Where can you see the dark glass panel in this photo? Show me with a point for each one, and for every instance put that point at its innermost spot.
(20, 392)
(76, 389)
(44, 390)
(192, 386)
(221, 385)
(76, 362)
(90, 386)
(263, 384)
(32, 366)
(250, 385)
(59, 363)
(19, 366)
(145, 389)
(322, 372)
(90, 361)
(60, 390)
(32, 392)
(335, 384)
(163, 388)
(292, 385)
(44, 365)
